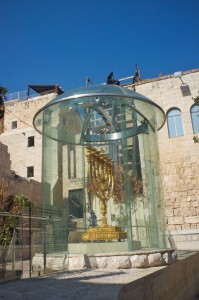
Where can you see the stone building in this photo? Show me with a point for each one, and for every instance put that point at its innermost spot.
(179, 155)
(20, 161)
(12, 184)
(24, 143)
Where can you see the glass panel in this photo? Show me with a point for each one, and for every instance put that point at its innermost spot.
(179, 127)
(11, 256)
(174, 112)
(195, 118)
(100, 167)
(174, 120)
(171, 126)
(76, 203)
(73, 108)
(195, 108)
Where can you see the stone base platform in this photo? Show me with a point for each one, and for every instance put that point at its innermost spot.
(94, 247)
(122, 260)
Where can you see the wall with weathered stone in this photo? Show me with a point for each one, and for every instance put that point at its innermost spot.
(179, 156)
(21, 155)
(178, 281)
(1, 117)
(13, 184)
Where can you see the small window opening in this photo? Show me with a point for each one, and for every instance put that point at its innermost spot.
(31, 141)
(30, 171)
(14, 124)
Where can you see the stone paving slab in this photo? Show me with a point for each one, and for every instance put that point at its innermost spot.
(85, 285)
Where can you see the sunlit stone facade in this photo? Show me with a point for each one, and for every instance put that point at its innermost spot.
(179, 155)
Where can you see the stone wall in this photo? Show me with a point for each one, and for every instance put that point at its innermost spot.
(1, 117)
(15, 184)
(16, 139)
(110, 261)
(178, 281)
(179, 156)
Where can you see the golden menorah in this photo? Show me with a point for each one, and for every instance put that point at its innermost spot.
(101, 178)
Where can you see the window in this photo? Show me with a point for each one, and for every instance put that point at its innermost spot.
(30, 171)
(174, 122)
(96, 119)
(195, 118)
(71, 162)
(76, 200)
(31, 141)
(14, 124)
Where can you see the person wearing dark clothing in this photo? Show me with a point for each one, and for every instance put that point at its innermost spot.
(111, 80)
(88, 81)
(92, 219)
(136, 77)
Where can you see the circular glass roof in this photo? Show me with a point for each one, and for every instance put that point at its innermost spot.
(97, 113)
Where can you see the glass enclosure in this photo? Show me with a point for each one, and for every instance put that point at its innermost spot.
(11, 261)
(101, 189)
(28, 237)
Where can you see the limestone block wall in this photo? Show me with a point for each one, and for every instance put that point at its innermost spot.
(5, 163)
(12, 184)
(22, 156)
(178, 281)
(1, 117)
(179, 156)
(15, 184)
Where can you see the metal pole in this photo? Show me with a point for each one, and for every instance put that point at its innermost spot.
(30, 240)
(14, 256)
(44, 247)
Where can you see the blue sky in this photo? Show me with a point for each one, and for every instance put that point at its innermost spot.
(62, 42)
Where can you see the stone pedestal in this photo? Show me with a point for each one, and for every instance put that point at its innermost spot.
(120, 260)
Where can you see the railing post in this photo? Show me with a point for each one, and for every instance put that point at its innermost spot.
(14, 254)
(45, 247)
(30, 243)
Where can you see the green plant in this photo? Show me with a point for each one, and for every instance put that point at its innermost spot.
(196, 139)
(196, 100)
(3, 91)
(13, 206)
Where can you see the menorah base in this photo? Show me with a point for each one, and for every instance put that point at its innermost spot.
(105, 233)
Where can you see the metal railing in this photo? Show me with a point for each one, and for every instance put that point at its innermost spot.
(16, 96)
(22, 96)
(30, 236)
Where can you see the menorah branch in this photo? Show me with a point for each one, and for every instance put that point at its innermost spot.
(101, 178)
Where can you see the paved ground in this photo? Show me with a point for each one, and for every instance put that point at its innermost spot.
(83, 285)
(77, 285)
